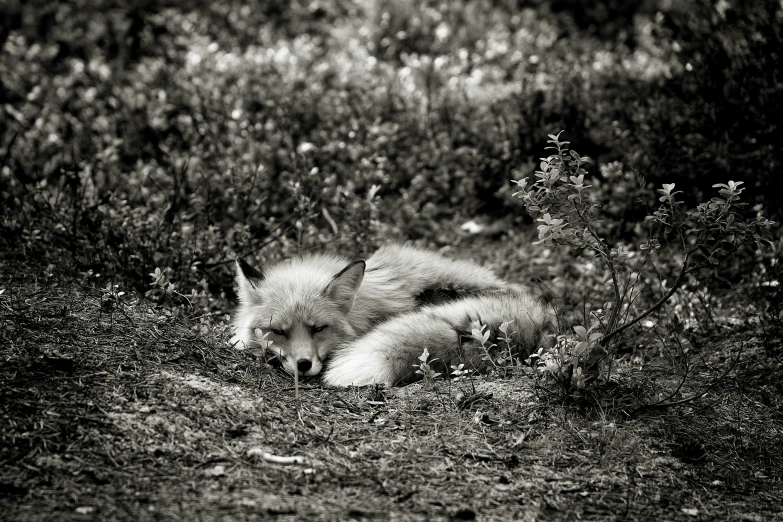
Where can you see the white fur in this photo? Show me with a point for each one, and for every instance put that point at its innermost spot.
(381, 335)
(394, 276)
(388, 353)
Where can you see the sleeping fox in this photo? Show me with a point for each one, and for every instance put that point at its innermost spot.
(367, 322)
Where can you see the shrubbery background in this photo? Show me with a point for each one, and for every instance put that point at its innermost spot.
(177, 135)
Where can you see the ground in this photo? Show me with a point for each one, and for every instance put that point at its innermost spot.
(125, 412)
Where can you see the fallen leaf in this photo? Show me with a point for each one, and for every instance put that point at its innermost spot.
(217, 471)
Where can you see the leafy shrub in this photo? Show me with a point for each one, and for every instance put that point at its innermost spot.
(560, 199)
(176, 137)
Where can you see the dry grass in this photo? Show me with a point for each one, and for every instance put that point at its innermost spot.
(125, 413)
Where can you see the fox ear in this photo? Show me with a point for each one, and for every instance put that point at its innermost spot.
(247, 279)
(343, 287)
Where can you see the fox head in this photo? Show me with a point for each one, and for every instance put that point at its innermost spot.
(298, 309)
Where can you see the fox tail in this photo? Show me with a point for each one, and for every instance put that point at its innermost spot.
(390, 352)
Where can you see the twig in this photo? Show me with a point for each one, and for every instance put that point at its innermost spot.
(347, 406)
(275, 459)
(8, 151)
(666, 403)
(656, 306)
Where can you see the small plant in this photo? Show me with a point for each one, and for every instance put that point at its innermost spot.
(481, 333)
(558, 361)
(560, 200)
(160, 284)
(164, 289)
(507, 351)
(264, 343)
(425, 369)
(459, 372)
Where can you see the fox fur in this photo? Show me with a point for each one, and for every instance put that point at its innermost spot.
(373, 319)
(387, 354)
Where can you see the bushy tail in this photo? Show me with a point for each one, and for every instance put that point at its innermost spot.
(388, 353)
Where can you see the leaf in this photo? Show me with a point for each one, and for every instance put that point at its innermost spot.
(217, 471)
(580, 348)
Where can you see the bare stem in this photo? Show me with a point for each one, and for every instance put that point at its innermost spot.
(657, 305)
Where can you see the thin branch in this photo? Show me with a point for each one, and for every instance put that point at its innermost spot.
(665, 404)
(8, 151)
(658, 304)
(269, 239)
(678, 281)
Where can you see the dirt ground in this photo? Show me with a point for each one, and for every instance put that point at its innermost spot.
(119, 411)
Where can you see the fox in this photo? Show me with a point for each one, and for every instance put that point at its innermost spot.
(362, 322)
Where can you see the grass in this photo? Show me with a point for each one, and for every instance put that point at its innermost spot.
(122, 412)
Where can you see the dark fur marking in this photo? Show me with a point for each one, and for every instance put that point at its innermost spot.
(351, 264)
(464, 331)
(250, 273)
(464, 337)
(443, 294)
(436, 295)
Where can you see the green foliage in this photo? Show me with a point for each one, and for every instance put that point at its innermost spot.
(142, 136)
(425, 369)
(715, 116)
(704, 236)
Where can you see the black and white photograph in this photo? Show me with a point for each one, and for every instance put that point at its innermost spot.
(404, 260)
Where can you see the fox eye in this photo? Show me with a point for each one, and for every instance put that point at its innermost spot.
(278, 332)
(317, 329)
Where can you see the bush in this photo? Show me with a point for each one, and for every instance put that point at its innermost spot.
(144, 136)
(699, 238)
(715, 117)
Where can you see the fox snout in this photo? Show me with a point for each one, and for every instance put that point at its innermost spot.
(305, 365)
(302, 357)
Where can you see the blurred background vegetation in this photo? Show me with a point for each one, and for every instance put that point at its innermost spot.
(143, 134)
